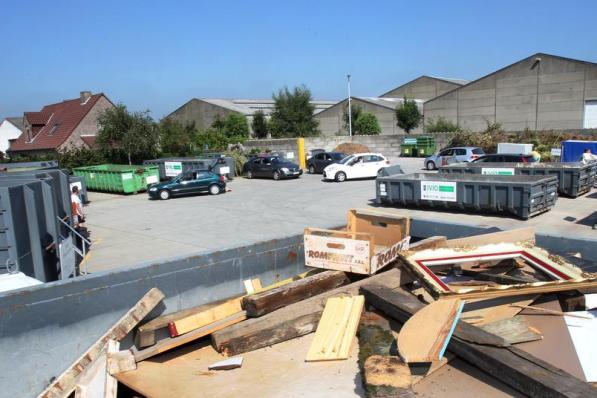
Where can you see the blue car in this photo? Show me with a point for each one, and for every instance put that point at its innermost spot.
(187, 183)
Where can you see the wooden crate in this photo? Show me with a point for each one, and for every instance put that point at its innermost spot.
(371, 241)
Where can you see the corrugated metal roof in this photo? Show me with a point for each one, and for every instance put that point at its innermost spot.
(249, 106)
(461, 82)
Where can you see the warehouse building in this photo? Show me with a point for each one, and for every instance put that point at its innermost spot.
(331, 120)
(425, 88)
(541, 92)
(204, 111)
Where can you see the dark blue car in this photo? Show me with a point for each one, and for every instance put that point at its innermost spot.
(187, 183)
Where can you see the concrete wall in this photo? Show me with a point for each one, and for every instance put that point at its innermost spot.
(388, 145)
(202, 113)
(331, 120)
(424, 88)
(88, 125)
(549, 95)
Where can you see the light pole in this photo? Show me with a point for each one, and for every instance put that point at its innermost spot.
(349, 109)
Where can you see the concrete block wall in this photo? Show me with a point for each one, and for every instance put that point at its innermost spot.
(388, 145)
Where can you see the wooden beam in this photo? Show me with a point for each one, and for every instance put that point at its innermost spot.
(121, 361)
(263, 303)
(519, 369)
(168, 344)
(293, 320)
(206, 317)
(433, 242)
(517, 235)
(64, 384)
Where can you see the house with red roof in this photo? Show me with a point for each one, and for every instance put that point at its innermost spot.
(67, 124)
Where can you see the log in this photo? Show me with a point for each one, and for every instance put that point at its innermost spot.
(263, 303)
(516, 368)
(292, 321)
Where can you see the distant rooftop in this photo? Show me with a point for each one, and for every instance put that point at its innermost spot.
(249, 106)
(390, 103)
(17, 121)
(461, 82)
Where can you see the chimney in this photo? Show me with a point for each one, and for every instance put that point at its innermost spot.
(85, 95)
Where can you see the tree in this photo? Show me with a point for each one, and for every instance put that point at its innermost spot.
(134, 133)
(367, 124)
(176, 139)
(259, 125)
(355, 113)
(408, 115)
(441, 125)
(293, 114)
(234, 125)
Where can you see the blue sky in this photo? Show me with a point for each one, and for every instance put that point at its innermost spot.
(158, 54)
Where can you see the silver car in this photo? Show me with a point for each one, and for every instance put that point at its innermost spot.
(453, 155)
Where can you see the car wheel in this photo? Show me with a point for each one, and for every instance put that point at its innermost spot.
(340, 176)
(430, 166)
(165, 194)
(276, 175)
(311, 169)
(249, 174)
(214, 189)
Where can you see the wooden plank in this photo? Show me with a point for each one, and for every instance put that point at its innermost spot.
(111, 384)
(64, 384)
(146, 332)
(481, 312)
(514, 330)
(204, 318)
(433, 242)
(518, 235)
(92, 383)
(168, 344)
(121, 361)
(263, 303)
(293, 320)
(518, 369)
(337, 328)
(424, 337)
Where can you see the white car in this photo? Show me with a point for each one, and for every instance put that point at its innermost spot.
(359, 165)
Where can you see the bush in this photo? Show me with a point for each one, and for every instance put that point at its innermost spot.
(367, 124)
(293, 114)
(260, 127)
(239, 160)
(441, 125)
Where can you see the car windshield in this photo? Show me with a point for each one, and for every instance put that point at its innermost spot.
(346, 159)
(277, 160)
(478, 151)
(337, 156)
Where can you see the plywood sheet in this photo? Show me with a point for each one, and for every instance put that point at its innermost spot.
(424, 337)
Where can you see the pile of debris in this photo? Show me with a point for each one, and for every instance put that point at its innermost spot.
(496, 301)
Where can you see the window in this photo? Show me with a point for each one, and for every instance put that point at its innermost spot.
(446, 152)
(373, 158)
(54, 127)
(460, 152)
(478, 151)
(320, 156)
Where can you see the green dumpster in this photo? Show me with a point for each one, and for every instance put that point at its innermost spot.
(118, 178)
(420, 146)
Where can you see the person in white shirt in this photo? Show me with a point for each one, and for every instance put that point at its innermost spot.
(76, 206)
(588, 157)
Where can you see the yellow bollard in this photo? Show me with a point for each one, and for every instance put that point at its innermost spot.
(300, 143)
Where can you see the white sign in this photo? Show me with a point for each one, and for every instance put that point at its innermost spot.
(434, 190)
(556, 151)
(66, 250)
(289, 155)
(382, 190)
(127, 176)
(224, 170)
(76, 184)
(173, 168)
(497, 171)
(152, 179)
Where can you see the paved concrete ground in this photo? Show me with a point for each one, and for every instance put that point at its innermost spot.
(127, 230)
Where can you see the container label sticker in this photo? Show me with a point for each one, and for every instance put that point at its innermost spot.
(336, 253)
(224, 170)
(76, 184)
(289, 155)
(556, 151)
(382, 189)
(152, 179)
(173, 168)
(410, 141)
(127, 176)
(497, 171)
(433, 190)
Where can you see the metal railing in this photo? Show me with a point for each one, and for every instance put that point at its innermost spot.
(85, 243)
